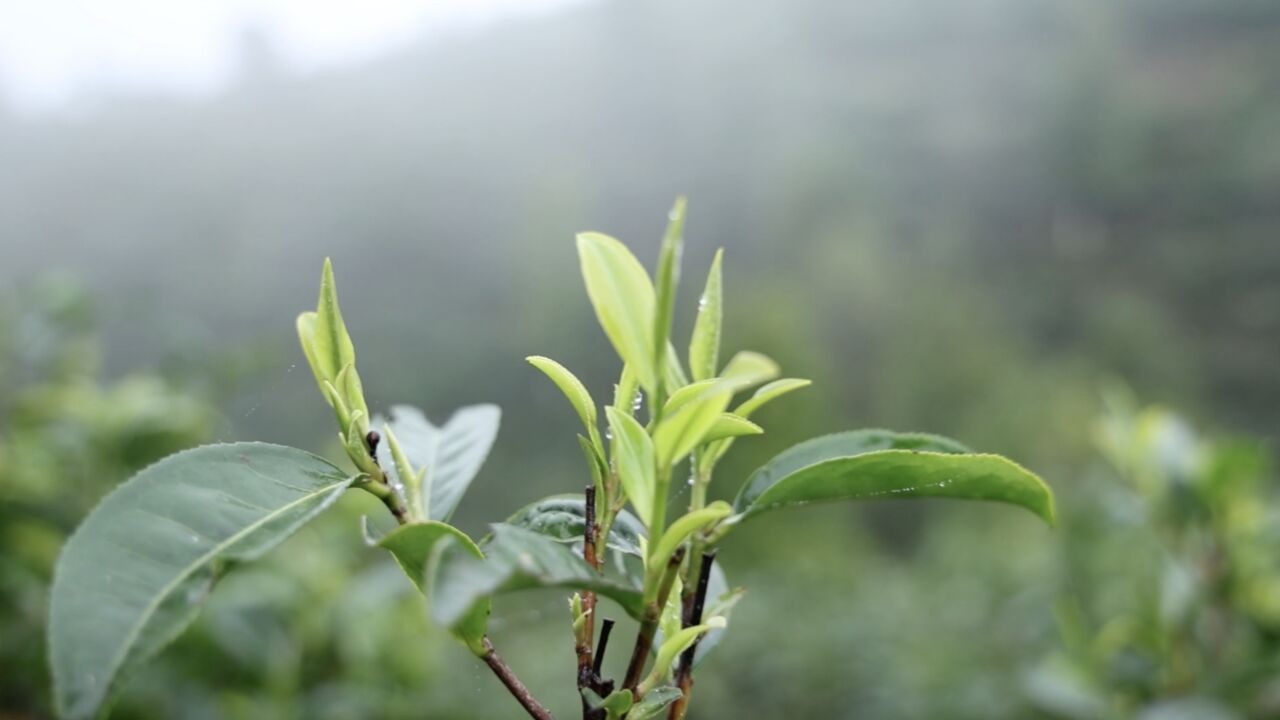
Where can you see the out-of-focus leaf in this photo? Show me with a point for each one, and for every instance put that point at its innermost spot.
(135, 573)
(563, 517)
(768, 393)
(674, 373)
(729, 425)
(748, 369)
(633, 456)
(623, 298)
(704, 345)
(1188, 708)
(878, 464)
(516, 559)
(451, 454)
(626, 394)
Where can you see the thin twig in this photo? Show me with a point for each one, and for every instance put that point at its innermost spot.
(692, 616)
(606, 627)
(586, 675)
(517, 688)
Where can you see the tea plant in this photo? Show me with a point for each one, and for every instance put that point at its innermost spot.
(1172, 602)
(135, 573)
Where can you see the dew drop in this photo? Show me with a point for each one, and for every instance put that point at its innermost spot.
(608, 433)
(636, 402)
(702, 303)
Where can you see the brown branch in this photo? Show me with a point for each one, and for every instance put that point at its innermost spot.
(517, 688)
(649, 622)
(693, 607)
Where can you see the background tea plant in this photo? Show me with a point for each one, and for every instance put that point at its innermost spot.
(1170, 605)
(136, 572)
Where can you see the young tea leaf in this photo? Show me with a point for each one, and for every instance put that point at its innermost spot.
(729, 425)
(655, 703)
(633, 457)
(668, 278)
(623, 298)
(573, 389)
(689, 415)
(769, 393)
(672, 647)
(704, 345)
(136, 571)
(685, 526)
(747, 369)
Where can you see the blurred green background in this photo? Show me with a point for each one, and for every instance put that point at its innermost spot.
(1016, 222)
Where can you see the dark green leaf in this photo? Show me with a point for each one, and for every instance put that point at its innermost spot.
(135, 573)
(562, 518)
(517, 559)
(411, 545)
(878, 464)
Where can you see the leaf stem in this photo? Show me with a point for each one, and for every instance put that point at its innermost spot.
(649, 622)
(517, 688)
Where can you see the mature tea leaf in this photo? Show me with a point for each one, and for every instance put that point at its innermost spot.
(877, 464)
(411, 545)
(135, 573)
(451, 454)
(623, 298)
(517, 559)
(562, 518)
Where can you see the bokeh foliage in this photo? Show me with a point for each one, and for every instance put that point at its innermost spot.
(962, 216)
